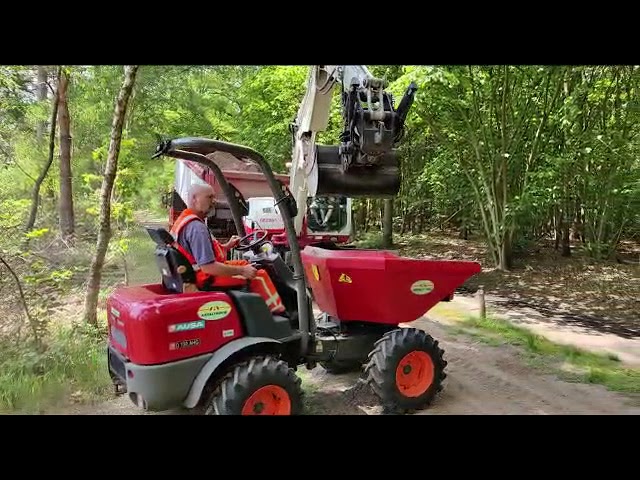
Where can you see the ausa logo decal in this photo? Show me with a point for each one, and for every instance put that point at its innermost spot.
(186, 326)
(214, 310)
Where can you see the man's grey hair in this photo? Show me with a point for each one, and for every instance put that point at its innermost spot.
(195, 189)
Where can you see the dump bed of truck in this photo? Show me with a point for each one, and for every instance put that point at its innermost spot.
(246, 177)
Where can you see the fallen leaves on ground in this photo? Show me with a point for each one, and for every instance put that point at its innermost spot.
(602, 295)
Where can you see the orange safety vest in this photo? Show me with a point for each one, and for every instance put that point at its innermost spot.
(188, 215)
(261, 284)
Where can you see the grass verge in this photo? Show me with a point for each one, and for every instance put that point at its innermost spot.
(571, 363)
(73, 368)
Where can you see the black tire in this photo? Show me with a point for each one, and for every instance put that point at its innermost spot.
(247, 378)
(384, 359)
(337, 367)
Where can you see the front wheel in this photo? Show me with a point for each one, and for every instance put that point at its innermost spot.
(259, 386)
(406, 369)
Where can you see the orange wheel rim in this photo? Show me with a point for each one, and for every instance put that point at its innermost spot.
(268, 400)
(414, 374)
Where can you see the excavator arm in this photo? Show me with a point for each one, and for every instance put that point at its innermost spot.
(365, 163)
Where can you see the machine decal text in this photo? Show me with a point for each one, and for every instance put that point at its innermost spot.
(186, 326)
(422, 287)
(194, 342)
(214, 310)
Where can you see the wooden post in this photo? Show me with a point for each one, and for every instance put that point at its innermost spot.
(483, 308)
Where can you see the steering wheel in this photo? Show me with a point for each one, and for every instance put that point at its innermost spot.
(259, 237)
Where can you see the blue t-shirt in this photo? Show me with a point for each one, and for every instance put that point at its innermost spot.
(196, 239)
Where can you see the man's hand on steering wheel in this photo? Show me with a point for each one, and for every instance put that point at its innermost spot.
(252, 241)
(232, 242)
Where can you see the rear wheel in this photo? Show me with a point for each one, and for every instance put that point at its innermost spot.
(406, 370)
(259, 386)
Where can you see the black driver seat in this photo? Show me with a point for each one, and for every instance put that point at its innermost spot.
(177, 273)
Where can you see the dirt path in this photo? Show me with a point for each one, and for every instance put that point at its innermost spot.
(482, 379)
(554, 327)
(497, 380)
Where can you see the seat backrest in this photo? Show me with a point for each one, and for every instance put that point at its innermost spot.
(170, 261)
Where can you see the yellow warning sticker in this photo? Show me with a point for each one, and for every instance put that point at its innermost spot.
(214, 310)
(344, 278)
(422, 287)
(316, 272)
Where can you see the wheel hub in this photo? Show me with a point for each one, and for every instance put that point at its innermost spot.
(268, 400)
(414, 374)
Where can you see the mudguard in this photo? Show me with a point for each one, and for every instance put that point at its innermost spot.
(216, 360)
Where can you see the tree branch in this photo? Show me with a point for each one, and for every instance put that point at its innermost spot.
(23, 170)
(24, 301)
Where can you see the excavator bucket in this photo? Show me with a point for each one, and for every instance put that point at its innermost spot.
(378, 180)
(365, 163)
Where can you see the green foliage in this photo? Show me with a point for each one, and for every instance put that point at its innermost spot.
(369, 240)
(502, 151)
(13, 212)
(269, 102)
(72, 365)
(524, 146)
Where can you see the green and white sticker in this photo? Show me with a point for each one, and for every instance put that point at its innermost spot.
(214, 310)
(422, 287)
(186, 326)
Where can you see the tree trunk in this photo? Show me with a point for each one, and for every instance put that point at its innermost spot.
(563, 230)
(43, 75)
(35, 195)
(403, 225)
(387, 224)
(566, 244)
(361, 218)
(66, 190)
(104, 235)
(367, 212)
(505, 257)
(577, 230)
(557, 227)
